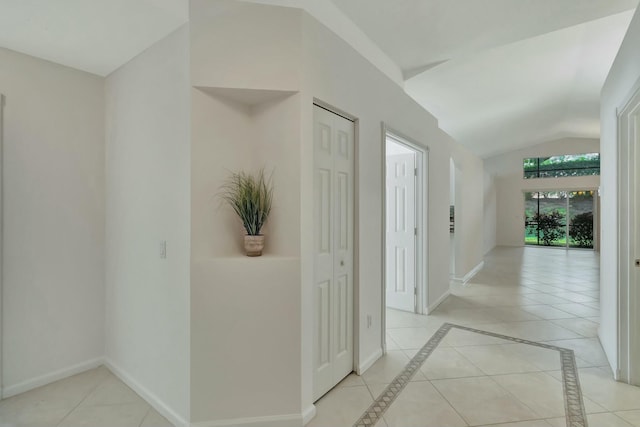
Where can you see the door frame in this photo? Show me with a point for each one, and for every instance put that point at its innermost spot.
(422, 222)
(628, 294)
(356, 225)
(2, 104)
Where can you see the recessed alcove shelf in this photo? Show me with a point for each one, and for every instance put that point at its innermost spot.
(244, 129)
(245, 96)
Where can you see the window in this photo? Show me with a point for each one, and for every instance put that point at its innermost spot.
(561, 166)
(559, 218)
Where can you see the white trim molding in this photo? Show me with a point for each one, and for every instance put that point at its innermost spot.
(147, 395)
(369, 361)
(308, 414)
(2, 103)
(627, 369)
(470, 274)
(51, 377)
(439, 301)
(286, 420)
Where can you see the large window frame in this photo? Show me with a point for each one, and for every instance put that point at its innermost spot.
(567, 220)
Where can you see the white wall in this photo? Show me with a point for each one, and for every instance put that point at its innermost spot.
(311, 63)
(53, 308)
(507, 173)
(335, 74)
(245, 116)
(469, 231)
(622, 80)
(148, 200)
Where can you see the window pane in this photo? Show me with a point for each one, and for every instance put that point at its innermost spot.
(545, 214)
(552, 218)
(530, 225)
(561, 166)
(581, 224)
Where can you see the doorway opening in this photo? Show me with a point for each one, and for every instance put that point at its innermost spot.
(405, 219)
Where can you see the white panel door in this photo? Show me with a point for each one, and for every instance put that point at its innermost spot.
(333, 249)
(401, 232)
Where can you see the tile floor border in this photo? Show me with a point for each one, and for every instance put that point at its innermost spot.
(573, 402)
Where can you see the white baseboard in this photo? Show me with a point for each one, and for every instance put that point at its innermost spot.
(369, 361)
(438, 302)
(470, 274)
(308, 414)
(30, 384)
(147, 395)
(288, 420)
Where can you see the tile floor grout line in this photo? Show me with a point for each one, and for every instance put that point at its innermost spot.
(145, 416)
(84, 398)
(391, 392)
(450, 404)
(574, 405)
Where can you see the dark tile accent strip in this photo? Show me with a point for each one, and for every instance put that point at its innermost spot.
(574, 405)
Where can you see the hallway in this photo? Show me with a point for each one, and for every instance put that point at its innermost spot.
(548, 296)
(537, 294)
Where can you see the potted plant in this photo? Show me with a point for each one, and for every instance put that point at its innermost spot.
(250, 197)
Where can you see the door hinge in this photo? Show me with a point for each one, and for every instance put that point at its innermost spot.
(415, 290)
(415, 172)
(415, 231)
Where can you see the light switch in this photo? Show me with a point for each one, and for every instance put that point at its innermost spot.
(163, 249)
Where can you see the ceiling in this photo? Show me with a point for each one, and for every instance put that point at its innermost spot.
(501, 74)
(96, 36)
(498, 74)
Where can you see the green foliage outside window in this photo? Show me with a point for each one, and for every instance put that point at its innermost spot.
(549, 226)
(561, 166)
(581, 230)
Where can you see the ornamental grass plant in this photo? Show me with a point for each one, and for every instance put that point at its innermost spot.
(251, 197)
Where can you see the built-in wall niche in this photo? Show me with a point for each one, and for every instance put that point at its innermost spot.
(246, 97)
(236, 129)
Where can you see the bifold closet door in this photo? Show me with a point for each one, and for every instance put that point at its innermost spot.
(333, 249)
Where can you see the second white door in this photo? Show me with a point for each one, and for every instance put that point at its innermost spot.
(401, 230)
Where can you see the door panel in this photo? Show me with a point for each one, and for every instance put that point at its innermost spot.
(323, 310)
(401, 238)
(333, 264)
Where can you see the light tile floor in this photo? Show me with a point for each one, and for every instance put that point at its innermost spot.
(546, 295)
(95, 398)
(538, 294)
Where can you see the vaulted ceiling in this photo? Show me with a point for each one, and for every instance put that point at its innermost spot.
(96, 36)
(498, 74)
(501, 74)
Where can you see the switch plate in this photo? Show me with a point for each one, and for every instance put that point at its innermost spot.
(163, 249)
